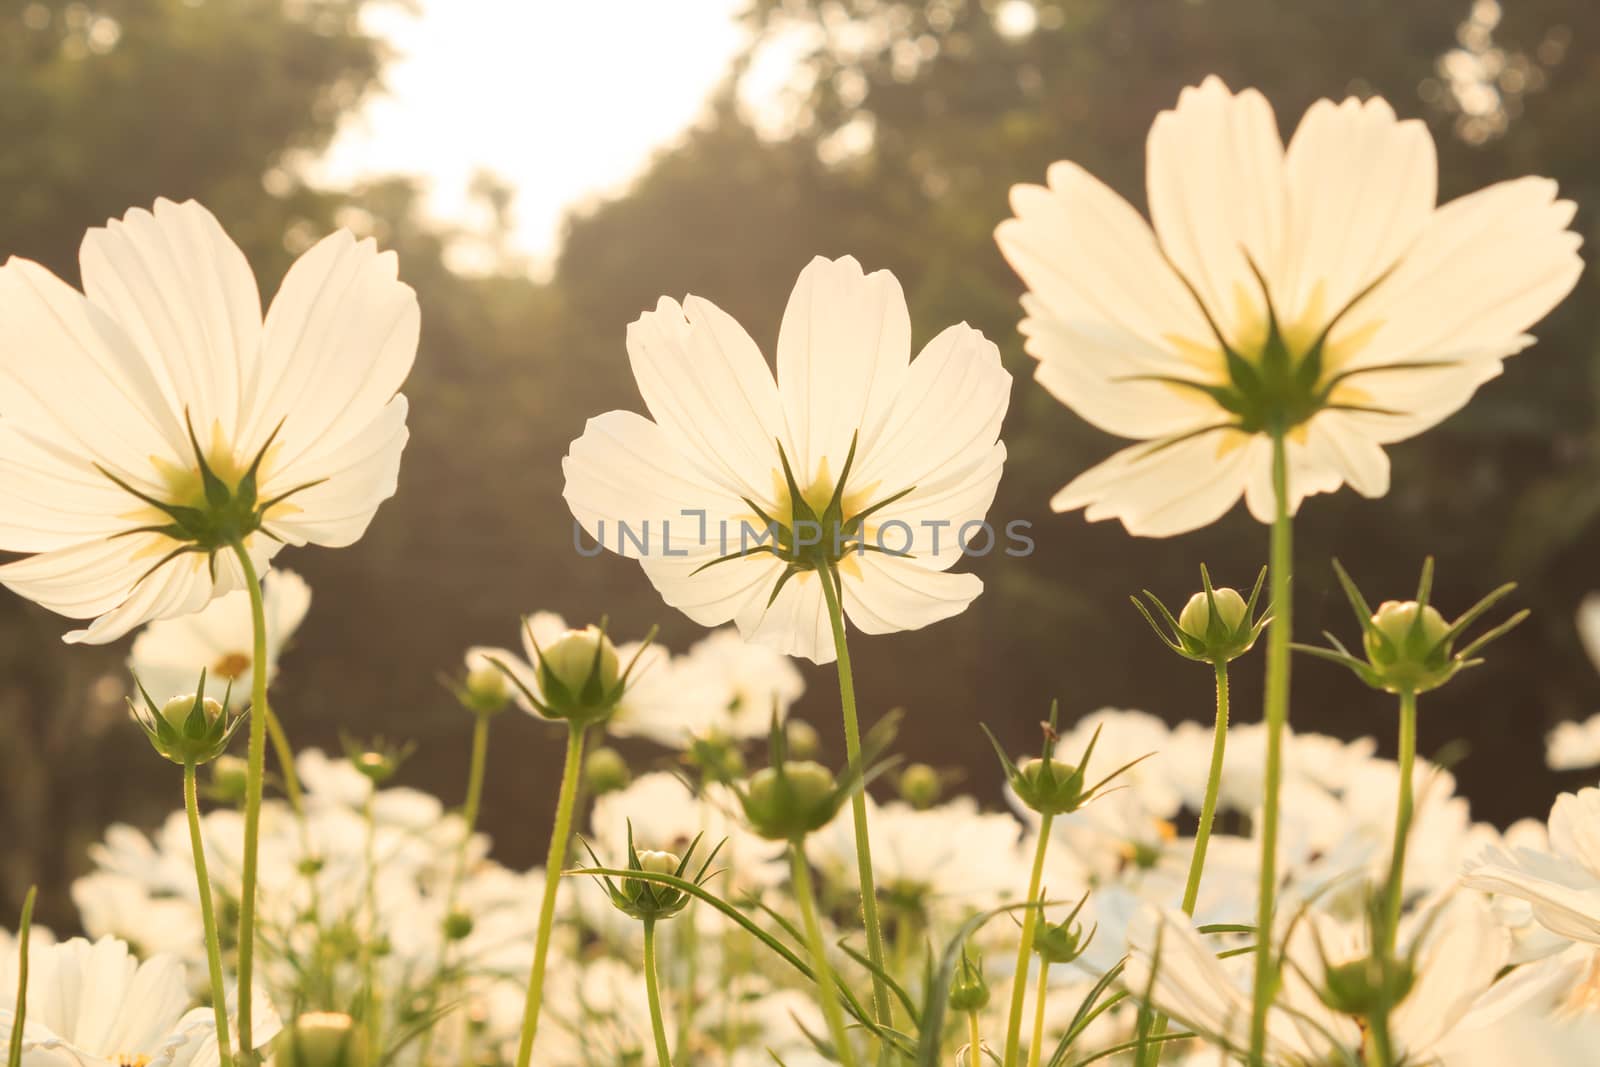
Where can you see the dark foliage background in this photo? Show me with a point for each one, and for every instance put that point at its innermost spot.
(112, 103)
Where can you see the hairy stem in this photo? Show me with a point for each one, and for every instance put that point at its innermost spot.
(255, 768)
(557, 857)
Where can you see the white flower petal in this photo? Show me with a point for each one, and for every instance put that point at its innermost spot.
(51, 498)
(1217, 198)
(1161, 490)
(843, 348)
(796, 623)
(338, 341)
(185, 296)
(69, 374)
(1361, 186)
(343, 486)
(889, 594)
(707, 384)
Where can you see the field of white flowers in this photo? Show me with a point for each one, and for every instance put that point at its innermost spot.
(1225, 891)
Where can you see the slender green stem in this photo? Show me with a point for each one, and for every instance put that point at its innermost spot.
(285, 754)
(20, 1015)
(1036, 1046)
(208, 917)
(1395, 896)
(255, 765)
(827, 992)
(974, 1045)
(1030, 918)
(1276, 715)
(858, 803)
(369, 979)
(688, 946)
(557, 858)
(1380, 1050)
(652, 990)
(1202, 837)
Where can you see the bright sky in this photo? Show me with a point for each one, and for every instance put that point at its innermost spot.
(562, 99)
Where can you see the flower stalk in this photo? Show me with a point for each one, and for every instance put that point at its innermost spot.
(560, 833)
(858, 799)
(208, 918)
(653, 992)
(19, 1017)
(827, 991)
(1030, 918)
(1394, 896)
(1276, 716)
(255, 769)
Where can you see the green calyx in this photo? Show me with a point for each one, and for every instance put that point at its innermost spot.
(1363, 986)
(189, 729)
(581, 679)
(968, 990)
(1408, 646)
(650, 901)
(211, 514)
(808, 533)
(1216, 626)
(789, 799)
(379, 761)
(1282, 381)
(1065, 941)
(321, 1039)
(1050, 786)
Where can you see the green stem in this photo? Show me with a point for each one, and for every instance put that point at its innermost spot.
(20, 1016)
(369, 943)
(657, 1026)
(557, 858)
(1202, 836)
(256, 760)
(1276, 715)
(208, 917)
(974, 1045)
(1380, 1049)
(806, 897)
(1036, 1046)
(1395, 896)
(1030, 918)
(858, 803)
(688, 946)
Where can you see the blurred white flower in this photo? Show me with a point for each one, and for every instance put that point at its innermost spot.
(95, 1005)
(1562, 883)
(1575, 746)
(121, 400)
(1318, 289)
(168, 655)
(853, 438)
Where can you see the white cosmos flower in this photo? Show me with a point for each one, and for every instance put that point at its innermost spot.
(1562, 883)
(136, 411)
(904, 450)
(1575, 746)
(95, 1005)
(1391, 310)
(169, 654)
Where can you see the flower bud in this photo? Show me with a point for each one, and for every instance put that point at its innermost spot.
(920, 786)
(486, 691)
(1049, 786)
(605, 771)
(457, 926)
(580, 670)
(716, 758)
(795, 798)
(804, 742)
(1362, 986)
(1061, 942)
(657, 862)
(321, 1039)
(649, 900)
(186, 729)
(229, 779)
(1398, 621)
(968, 990)
(1196, 617)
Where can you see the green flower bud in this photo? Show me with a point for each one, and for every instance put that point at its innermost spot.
(378, 762)
(647, 900)
(1050, 786)
(457, 926)
(1362, 986)
(1215, 626)
(716, 758)
(804, 742)
(186, 729)
(920, 786)
(791, 800)
(580, 673)
(321, 1039)
(229, 779)
(968, 990)
(1065, 941)
(1195, 619)
(486, 692)
(606, 771)
(1408, 646)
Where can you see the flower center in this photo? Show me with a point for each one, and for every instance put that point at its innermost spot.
(231, 666)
